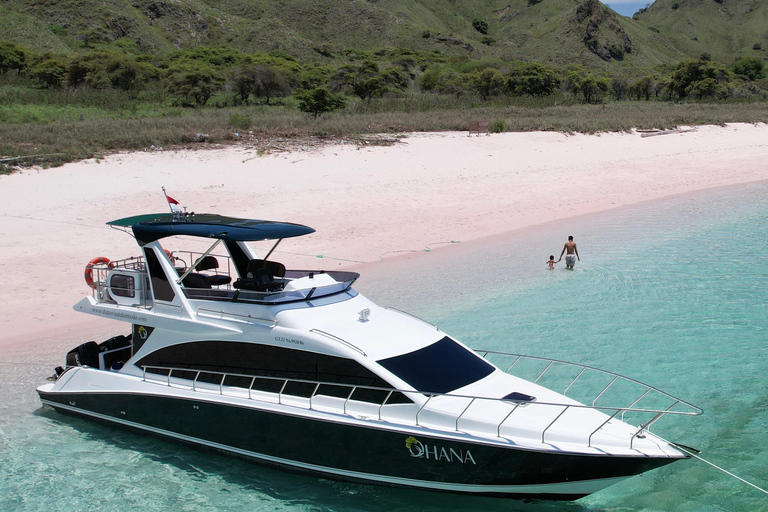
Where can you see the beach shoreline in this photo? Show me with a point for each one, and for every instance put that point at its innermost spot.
(367, 204)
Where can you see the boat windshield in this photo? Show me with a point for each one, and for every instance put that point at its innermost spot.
(441, 367)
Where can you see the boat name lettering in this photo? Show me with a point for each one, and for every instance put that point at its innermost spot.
(289, 340)
(434, 452)
(120, 314)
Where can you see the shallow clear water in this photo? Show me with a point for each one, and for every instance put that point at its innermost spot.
(672, 293)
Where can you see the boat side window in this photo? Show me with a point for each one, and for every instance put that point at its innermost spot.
(161, 287)
(441, 367)
(274, 365)
(122, 285)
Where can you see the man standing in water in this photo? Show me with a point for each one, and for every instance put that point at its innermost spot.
(571, 253)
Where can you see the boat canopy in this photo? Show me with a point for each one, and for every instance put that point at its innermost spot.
(151, 227)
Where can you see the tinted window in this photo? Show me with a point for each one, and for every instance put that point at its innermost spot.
(439, 368)
(122, 286)
(161, 288)
(269, 361)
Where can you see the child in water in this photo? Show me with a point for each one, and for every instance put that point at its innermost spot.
(551, 262)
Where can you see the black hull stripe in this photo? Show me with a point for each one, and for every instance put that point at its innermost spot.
(562, 490)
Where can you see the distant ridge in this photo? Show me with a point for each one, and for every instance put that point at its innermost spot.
(559, 32)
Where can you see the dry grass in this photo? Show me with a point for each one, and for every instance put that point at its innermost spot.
(72, 140)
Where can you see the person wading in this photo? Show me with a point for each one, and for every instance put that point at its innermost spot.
(571, 253)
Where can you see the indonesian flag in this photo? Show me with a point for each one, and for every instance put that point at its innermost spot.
(174, 204)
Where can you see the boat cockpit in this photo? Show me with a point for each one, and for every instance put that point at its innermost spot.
(233, 273)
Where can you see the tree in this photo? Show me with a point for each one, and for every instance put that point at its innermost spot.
(751, 67)
(687, 74)
(318, 101)
(593, 88)
(102, 70)
(365, 80)
(315, 75)
(194, 83)
(50, 72)
(619, 86)
(12, 56)
(429, 80)
(480, 25)
(488, 82)
(532, 79)
(271, 81)
(643, 87)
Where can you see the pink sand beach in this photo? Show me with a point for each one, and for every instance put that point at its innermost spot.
(367, 204)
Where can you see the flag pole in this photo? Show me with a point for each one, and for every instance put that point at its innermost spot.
(166, 199)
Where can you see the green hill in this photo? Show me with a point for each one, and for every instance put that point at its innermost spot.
(725, 29)
(549, 31)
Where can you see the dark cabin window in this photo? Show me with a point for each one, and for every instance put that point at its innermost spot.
(276, 363)
(122, 286)
(439, 368)
(160, 286)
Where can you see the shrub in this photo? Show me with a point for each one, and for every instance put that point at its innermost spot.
(532, 79)
(750, 67)
(51, 73)
(480, 25)
(497, 126)
(488, 82)
(240, 121)
(699, 78)
(102, 70)
(318, 101)
(12, 56)
(194, 83)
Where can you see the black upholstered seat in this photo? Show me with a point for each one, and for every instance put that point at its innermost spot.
(211, 263)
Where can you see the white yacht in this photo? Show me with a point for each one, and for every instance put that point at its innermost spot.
(227, 350)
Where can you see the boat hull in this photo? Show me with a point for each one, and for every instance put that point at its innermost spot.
(413, 458)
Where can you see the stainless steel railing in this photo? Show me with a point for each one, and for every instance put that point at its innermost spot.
(150, 373)
(644, 391)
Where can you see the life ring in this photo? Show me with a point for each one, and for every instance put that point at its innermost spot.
(89, 269)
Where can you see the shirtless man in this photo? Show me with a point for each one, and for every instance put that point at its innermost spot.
(572, 253)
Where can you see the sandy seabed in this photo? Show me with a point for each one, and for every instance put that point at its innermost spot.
(366, 203)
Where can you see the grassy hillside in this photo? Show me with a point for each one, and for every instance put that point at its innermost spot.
(556, 32)
(725, 29)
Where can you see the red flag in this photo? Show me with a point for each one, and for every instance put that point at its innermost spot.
(174, 204)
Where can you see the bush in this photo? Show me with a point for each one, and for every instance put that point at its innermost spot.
(532, 79)
(318, 101)
(194, 83)
(497, 126)
(12, 56)
(51, 73)
(480, 25)
(240, 121)
(750, 67)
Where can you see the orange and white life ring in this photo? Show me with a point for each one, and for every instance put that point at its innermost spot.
(89, 269)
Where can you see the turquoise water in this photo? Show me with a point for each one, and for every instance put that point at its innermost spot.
(672, 293)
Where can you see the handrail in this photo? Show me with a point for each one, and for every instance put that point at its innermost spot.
(611, 411)
(339, 340)
(221, 313)
(584, 368)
